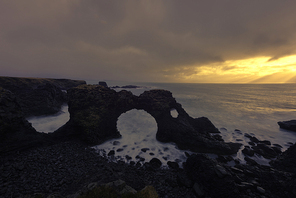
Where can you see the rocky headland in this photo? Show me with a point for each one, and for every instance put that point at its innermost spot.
(39, 96)
(94, 111)
(62, 164)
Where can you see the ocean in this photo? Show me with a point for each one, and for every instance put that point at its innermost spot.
(250, 108)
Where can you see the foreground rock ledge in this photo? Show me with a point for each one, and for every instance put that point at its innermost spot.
(288, 125)
(94, 111)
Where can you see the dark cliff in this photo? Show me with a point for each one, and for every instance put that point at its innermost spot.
(39, 96)
(94, 111)
(15, 131)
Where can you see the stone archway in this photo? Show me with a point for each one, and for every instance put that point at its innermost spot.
(136, 123)
(94, 111)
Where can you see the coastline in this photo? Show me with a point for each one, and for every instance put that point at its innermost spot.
(63, 166)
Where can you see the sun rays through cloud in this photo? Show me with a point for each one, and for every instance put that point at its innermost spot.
(251, 70)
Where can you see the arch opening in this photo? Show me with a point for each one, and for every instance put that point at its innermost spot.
(138, 142)
(50, 123)
(174, 113)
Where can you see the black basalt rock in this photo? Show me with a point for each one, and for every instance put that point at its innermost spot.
(214, 179)
(39, 96)
(103, 83)
(288, 125)
(15, 131)
(94, 111)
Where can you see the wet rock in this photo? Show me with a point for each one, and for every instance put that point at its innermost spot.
(145, 149)
(265, 150)
(155, 163)
(288, 125)
(247, 135)
(130, 86)
(140, 158)
(237, 170)
(254, 139)
(267, 142)
(173, 165)
(260, 190)
(128, 157)
(112, 152)
(103, 83)
(220, 171)
(218, 137)
(187, 154)
(252, 143)
(251, 161)
(277, 145)
(222, 159)
(248, 151)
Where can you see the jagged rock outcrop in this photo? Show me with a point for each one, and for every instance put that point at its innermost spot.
(287, 160)
(210, 178)
(39, 96)
(15, 131)
(94, 111)
(103, 83)
(289, 125)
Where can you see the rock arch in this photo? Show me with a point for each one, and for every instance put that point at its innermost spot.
(94, 111)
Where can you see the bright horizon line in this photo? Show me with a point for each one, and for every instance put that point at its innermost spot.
(163, 82)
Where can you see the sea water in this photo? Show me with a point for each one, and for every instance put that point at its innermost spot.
(50, 123)
(250, 108)
(235, 109)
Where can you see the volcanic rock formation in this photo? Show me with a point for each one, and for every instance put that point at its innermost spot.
(15, 131)
(39, 96)
(94, 111)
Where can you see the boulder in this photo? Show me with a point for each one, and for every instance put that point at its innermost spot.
(103, 83)
(155, 163)
(248, 151)
(94, 111)
(288, 125)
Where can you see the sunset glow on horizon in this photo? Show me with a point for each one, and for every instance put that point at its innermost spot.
(200, 41)
(251, 70)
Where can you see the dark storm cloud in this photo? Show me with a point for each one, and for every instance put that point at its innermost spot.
(139, 39)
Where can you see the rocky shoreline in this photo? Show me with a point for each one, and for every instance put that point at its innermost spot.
(63, 164)
(65, 169)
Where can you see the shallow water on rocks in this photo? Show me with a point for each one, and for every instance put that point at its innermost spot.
(50, 123)
(138, 141)
(254, 109)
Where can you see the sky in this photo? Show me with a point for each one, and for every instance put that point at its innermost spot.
(181, 41)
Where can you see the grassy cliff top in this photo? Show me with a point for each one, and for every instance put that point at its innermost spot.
(13, 83)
